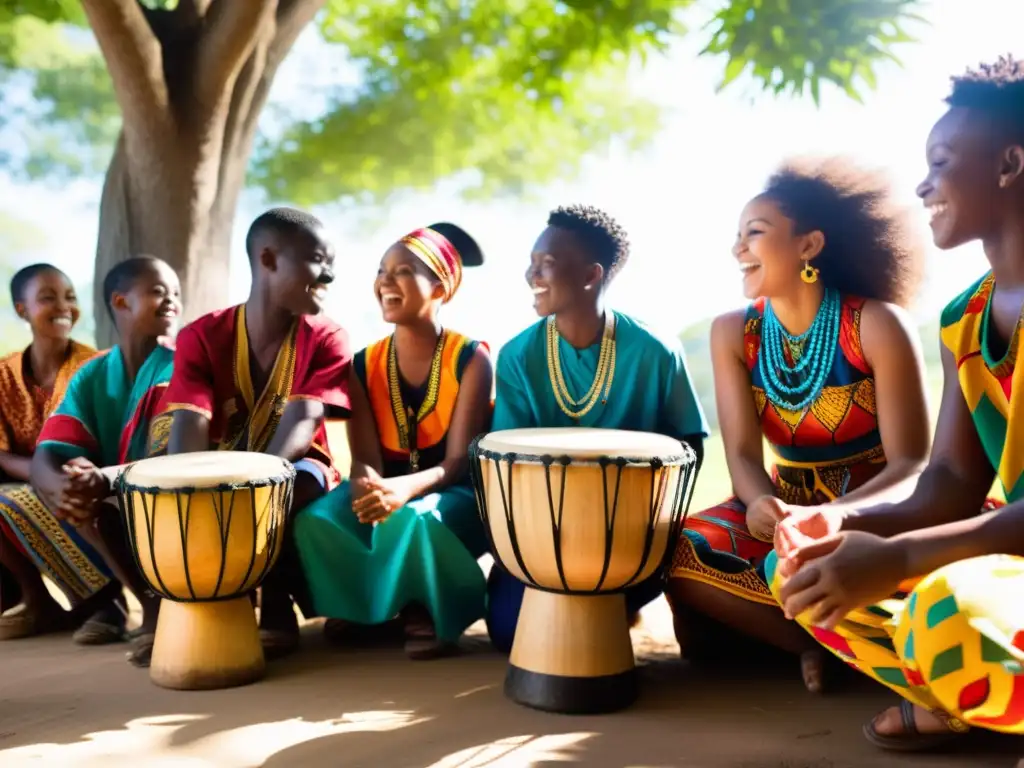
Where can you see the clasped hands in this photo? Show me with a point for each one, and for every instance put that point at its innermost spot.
(374, 498)
(82, 489)
(826, 571)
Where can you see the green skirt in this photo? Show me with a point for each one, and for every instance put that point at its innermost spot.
(423, 553)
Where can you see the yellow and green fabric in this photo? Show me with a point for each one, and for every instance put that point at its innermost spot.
(953, 641)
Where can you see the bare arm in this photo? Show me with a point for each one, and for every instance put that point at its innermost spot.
(993, 533)
(190, 432)
(955, 482)
(15, 467)
(737, 414)
(894, 354)
(468, 421)
(294, 435)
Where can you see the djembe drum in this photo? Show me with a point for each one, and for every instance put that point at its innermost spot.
(205, 529)
(578, 515)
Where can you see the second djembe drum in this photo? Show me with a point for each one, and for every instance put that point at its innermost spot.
(578, 515)
(205, 529)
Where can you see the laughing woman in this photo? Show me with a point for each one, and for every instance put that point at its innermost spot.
(402, 535)
(32, 383)
(825, 366)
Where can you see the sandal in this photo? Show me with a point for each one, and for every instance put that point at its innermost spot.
(141, 649)
(910, 739)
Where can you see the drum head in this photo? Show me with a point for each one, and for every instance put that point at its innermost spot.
(582, 443)
(206, 469)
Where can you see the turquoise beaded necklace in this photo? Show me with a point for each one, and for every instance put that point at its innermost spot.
(795, 386)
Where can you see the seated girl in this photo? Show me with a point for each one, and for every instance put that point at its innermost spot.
(32, 384)
(402, 535)
(824, 365)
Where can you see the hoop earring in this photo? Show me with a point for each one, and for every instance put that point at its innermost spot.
(809, 274)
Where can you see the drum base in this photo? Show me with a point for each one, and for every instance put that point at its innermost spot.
(203, 646)
(572, 654)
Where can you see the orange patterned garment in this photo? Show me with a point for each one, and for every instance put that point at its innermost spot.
(24, 405)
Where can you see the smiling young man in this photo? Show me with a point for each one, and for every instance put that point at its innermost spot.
(262, 377)
(584, 365)
(951, 640)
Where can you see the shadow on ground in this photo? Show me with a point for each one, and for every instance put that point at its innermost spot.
(61, 705)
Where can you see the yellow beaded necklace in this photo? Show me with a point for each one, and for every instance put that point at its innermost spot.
(603, 376)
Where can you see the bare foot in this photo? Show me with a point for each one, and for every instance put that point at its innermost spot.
(812, 669)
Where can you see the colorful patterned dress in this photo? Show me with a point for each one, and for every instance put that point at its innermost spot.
(105, 418)
(425, 552)
(822, 452)
(25, 522)
(954, 640)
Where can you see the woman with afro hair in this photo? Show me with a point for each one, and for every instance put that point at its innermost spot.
(825, 366)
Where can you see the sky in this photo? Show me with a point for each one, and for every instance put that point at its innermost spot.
(679, 198)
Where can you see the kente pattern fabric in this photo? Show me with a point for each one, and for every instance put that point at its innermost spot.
(989, 382)
(952, 641)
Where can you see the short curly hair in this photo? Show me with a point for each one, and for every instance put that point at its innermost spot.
(996, 89)
(872, 249)
(603, 235)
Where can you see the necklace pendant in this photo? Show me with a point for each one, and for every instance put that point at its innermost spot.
(414, 460)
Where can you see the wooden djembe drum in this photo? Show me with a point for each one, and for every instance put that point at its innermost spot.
(578, 515)
(205, 529)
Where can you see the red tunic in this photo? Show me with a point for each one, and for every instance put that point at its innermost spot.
(212, 377)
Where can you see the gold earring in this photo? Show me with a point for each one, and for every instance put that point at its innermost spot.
(809, 274)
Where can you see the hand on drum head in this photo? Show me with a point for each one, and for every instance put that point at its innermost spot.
(83, 488)
(376, 498)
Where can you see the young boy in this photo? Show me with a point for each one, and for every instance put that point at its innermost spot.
(261, 377)
(924, 595)
(103, 421)
(639, 381)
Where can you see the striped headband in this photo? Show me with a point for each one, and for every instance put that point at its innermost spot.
(437, 252)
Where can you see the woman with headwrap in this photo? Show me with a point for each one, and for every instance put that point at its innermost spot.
(402, 535)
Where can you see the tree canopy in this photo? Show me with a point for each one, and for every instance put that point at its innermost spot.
(495, 95)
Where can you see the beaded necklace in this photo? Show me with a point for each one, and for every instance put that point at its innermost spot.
(796, 385)
(405, 419)
(603, 376)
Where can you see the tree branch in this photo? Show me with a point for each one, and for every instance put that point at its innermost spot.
(257, 76)
(292, 18)
(133, 56)
(229, 35)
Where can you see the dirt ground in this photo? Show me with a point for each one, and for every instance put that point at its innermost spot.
(62, 705)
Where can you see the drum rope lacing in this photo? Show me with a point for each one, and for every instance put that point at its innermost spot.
(281, 489)
(407, 421)
(603, 376)
(679, 506)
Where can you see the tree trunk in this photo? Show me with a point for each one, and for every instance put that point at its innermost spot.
(191, 84)
(149, 209)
